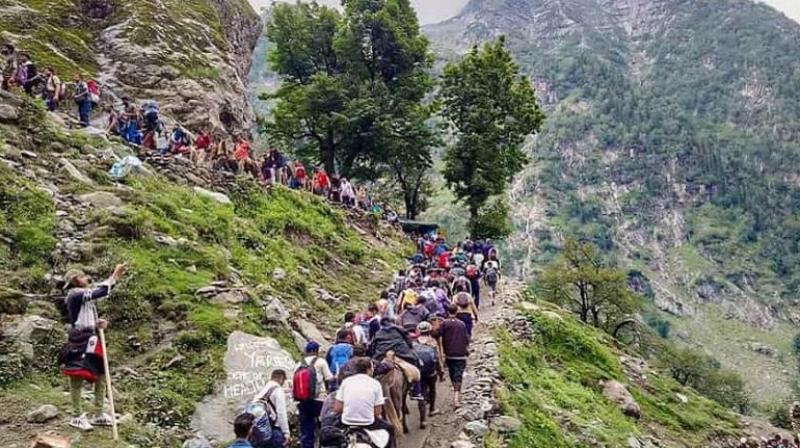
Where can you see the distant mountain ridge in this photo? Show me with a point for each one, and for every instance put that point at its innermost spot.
(671, 143)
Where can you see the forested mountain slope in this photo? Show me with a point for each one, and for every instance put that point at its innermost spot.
(671, 142)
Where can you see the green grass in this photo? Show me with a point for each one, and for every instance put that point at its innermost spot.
(553, 387)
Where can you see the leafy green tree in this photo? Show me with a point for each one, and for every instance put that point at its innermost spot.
(310, 114)
(598, 294)
(492, 221)
(352, 91)
(492, 109)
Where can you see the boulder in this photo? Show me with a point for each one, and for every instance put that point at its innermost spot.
(219, 197)
(101, 199)
(312, 333)
(275, 312)
(507, 424)
(42, 414)
(476, 428)
(462, 444)
(249, 361)
(73, 172)
(28, 331)
(197, 442)
(278, 274)
(8, 113)
(618, 393)
(232, 297)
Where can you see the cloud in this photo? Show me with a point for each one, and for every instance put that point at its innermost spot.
(789, 7)
(429, 11)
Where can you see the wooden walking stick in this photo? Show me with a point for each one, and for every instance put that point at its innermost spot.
(114, 429)
(110, 390)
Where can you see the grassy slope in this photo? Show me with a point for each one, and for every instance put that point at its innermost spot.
(155, 313)
(553, 386)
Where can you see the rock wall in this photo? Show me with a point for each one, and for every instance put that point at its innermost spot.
(191, 56)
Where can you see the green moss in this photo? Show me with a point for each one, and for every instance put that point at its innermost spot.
(27, 221)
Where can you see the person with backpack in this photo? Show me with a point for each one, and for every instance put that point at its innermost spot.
(474, 277)
(242, 428)
(427, 349)
(359, 333)
(83, 100)
(81, 357)
(466, 311)
(491, 276)
(340, 353)
(53, 89)
(414, 314)
(455, 345)
(309, 386)
(273, 431)
(32, 76)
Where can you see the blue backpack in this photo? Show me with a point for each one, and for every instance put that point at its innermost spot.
(339, 355)
(261, 435)
(427, 359)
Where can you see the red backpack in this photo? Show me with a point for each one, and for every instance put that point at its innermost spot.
(444, 260)
(304, 382)
(472, 271)
(300, 171)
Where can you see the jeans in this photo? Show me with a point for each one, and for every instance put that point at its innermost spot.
(309, 415)
(278, 440)
(84, 111)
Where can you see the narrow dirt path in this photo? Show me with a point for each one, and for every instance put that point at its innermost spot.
(479, 383)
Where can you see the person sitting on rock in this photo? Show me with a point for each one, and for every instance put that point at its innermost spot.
(179, 140)
(203, 145)
(82, 356)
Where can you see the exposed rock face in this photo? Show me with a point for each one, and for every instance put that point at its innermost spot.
(192, 57)
(195, 67)
(249, 361)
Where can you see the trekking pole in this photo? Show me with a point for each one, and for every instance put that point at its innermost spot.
(114, 429)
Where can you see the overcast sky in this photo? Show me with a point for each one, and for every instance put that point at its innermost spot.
(432, 11)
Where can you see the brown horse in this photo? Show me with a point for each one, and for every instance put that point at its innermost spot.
(395, 389)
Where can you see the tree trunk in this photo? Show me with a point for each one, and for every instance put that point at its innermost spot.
(328, 155)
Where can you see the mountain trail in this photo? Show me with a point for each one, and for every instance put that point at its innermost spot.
(478, 401)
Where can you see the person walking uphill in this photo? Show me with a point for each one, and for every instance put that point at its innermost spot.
(309, 389)
(83, 100)
(455, 344)
(82, 356)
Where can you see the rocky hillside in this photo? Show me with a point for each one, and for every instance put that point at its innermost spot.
(671, 143)
(216, 265)
(192, 56)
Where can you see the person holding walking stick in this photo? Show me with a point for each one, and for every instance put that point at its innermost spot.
(83, 357)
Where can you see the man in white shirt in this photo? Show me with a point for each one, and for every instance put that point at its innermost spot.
(360, 400)
(274, 396)
(310, 410)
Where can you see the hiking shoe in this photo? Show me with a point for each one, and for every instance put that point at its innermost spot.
(81, 423)
(102, 420)
(417, 398)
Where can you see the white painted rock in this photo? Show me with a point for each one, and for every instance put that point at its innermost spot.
(249, 361)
